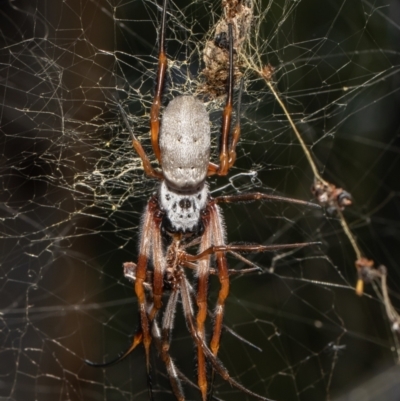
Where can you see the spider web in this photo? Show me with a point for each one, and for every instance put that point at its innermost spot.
(73, 190)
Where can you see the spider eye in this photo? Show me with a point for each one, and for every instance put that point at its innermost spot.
(185, 203)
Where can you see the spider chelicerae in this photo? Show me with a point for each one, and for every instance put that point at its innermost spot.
(180, 215)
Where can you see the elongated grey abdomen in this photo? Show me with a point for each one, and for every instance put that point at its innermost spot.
(185, 143)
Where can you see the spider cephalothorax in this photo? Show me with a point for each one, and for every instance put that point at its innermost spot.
(183, 211)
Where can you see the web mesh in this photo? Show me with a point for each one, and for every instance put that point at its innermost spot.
(73, 191)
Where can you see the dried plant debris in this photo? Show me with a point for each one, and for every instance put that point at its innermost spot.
(331, 197)
(239, 13)
(268, 72)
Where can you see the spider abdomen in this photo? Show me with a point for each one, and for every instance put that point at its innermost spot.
(185, 143)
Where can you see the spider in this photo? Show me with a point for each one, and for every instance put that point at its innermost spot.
(180, 215)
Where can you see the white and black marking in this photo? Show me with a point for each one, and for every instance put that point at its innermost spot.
(183, 210)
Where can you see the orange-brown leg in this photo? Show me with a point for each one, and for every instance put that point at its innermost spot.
(161, 71)
(223, 274)
(161, 338)
(148, 229)
(236, 130)
(215, 362)
(148, 169)
(203, 272)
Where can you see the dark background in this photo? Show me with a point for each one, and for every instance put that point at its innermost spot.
(66, 229)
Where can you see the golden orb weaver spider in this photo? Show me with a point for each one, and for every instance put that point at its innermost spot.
(180, 215)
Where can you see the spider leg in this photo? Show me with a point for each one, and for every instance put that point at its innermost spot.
(175, 375)
(227, 114)
(162, 344)
(158, 259)
(223, 275)
(150, 242)
(254, 196)
(130, 273)
(231, 271)
(161, 71)
(236, 130)
(213, 232)
(244, 248)
(253, 269)
(201, 300)
(215, 362)
(148, 169)
(223, 167)
(161, 337)
(240, 338)
(137, 339)
(140, 272)
(149, 229)
(168, 320)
